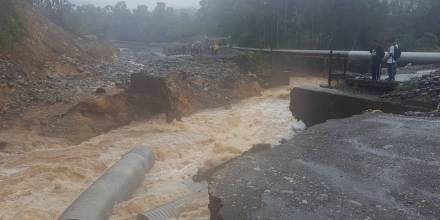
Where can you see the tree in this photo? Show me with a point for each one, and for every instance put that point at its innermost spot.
(319, 24)
(308, 24)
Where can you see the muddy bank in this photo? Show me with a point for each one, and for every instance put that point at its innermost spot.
(172, 95)
(175, 94)
(139, 84)
(181, 94)
(126, 93)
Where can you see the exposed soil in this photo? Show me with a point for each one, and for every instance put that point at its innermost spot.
(48, 66)
(137, 85)
(187, 92)
(47, 50)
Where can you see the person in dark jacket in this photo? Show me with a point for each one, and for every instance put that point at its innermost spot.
(377, 55)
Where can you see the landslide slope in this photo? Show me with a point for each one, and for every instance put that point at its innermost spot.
(46, 49)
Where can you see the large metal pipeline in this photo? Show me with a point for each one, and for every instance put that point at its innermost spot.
(407, 57)
(116, 185)
(170, 210)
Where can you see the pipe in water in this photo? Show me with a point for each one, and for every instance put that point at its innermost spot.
(116, 185)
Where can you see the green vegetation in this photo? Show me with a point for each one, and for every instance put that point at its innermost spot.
(11, 28)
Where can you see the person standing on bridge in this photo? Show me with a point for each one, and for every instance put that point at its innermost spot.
(391, 59)
(378, 53)
(215, 47)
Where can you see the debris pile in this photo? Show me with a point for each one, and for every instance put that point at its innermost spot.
(133, 87)
(21, 94)
(422, 91)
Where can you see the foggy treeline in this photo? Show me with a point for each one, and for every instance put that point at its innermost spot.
(118, 22)
(324, 24)
(311, 24)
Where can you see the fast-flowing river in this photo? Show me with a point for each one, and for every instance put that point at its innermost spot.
(41, 183)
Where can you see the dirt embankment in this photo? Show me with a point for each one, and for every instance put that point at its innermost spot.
(47, 50)
(69, 108)
(181, 94)
(173, 94)
(46, 63)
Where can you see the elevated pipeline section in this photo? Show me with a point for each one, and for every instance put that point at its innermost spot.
(407, 57)
(115, 186)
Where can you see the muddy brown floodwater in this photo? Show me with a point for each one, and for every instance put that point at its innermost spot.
(41, 183)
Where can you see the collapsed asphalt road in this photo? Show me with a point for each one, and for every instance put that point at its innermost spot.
(371, 166)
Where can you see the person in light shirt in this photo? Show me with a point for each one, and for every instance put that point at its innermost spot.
(392, 60)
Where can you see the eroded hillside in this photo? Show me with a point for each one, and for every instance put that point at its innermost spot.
(47, 50)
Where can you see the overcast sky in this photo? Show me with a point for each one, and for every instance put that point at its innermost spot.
(134, 3)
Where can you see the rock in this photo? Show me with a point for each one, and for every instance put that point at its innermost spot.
(387, 147)
(259, 147)
(205, 172)
(3, 145)
(100, 91)
(355, 202)
(228, 106)
(427, 86)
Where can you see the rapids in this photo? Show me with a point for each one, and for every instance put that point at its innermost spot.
(41, 183)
